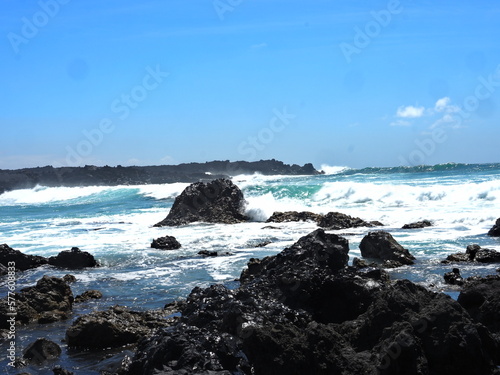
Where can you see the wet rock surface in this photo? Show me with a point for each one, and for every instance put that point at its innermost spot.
(381, 245)
(304, 311)
(166, 243)
(454, 277)
(88, 295)
(50, 300)
(22, 261)
(418, 225)
(495, 230)
(288, 216)
(218, 201)
(73, 259)
(337, 220)
(40, 351)
(474, 253)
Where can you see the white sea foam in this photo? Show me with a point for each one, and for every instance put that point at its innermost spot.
(329, 169)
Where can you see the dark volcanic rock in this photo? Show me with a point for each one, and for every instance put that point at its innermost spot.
(474, 253)
(73, 259)
(88, 295)
(40, 351)
(453, 277)
(281, 217)
(304, 311)
(48, 301)
(381, 245)
(207, 253)
(113, 328)
(218, 201)
(22, 261)
(166, 243)
(58, 370)
(495, 230)
(418, 225)
(337, 220)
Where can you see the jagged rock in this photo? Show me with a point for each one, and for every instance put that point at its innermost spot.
(418, 225)
(113, 328)
(58, 370)
(453, 277)
(166, 243)
(381, 245)
(73, 259)
(22, 261)
(88, 295)
(69, 278)
(281, 217)
(474, 253)
(495, 230)
(49, 300)
(218, 201)
(337, 220)
(304, 311)
(40, 351)
(263, 244)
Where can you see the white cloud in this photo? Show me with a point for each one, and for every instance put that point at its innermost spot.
(444, 105)
(410, 112)
(400, 123)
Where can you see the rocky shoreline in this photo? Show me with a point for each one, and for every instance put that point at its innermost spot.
(91, 175)
(304, 310)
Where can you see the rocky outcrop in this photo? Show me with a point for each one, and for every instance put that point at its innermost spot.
(48, 301)
(73, 259)
(166, 243)
(304, 311)
(40, 351)
(22, 261)
(113, 328)
(474, 253)
(88, 295)
(288, 216)
(337, 220)
(495, 230)
(454, 277)
(381, 245)
(418, 225)
(91, 175)
(218, 201)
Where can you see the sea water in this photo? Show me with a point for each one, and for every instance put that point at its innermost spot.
(115, 224)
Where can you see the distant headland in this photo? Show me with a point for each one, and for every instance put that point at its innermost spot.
(91, 175)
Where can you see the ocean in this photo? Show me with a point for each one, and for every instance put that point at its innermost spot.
(115, 224)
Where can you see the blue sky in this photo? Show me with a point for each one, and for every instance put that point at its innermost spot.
(339, 82)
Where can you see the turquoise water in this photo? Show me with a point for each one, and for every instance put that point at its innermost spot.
(115, 224)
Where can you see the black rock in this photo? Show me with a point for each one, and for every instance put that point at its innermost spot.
(453, 277)
(73, 259)
(207, 253)
(22, 261)
(337, 220)
(58, 370)
(495, 230)
(113, 328)
(381, 245)
(48, 301)
(69, 278)
(304, 311)
(288, 216)
(218, 201)
(166, 243)
(263, 244)
(418, 225)
(271, 227)
(88, 295)
(40, 351)
(474, 253)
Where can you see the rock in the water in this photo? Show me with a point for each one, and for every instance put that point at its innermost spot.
(113, 328)
(304, 311)
(58, 370)
(474, 253)
(73, 259)
(287, 216)
(208, 253)
(453, 277)
(218, 201)
(69, 278)
(495, 230)
(88, 295)
(337, 220)
(166, 243)
(48, 301)
(381, 245)
(418, 225)
(40, 351)
(263, 244)
(22, 261)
